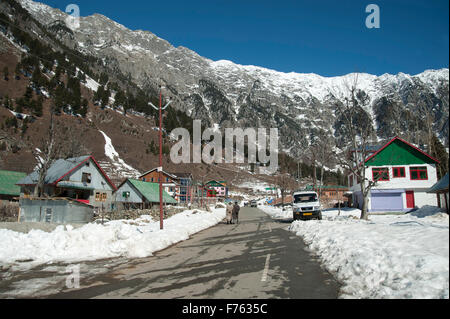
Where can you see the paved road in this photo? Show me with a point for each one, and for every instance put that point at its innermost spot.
(257, 258)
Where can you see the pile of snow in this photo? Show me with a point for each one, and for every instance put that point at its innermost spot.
(129, 238)
(390, 256)
(278, 213)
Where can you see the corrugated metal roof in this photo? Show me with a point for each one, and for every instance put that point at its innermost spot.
(151, 191)
(58, 169)
(8, 180)
(440, 186)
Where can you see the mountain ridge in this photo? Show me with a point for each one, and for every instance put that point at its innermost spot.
(226, 94)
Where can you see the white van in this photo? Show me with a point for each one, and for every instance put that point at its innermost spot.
(306, 205)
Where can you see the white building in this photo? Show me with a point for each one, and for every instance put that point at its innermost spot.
(403, 175)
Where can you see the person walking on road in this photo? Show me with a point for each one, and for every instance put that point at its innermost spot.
(236, 210)
(229, 211)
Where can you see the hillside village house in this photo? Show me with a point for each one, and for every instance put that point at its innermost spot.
(132, 194)
(217, 189)
(185, 181)
(405, 174)
(9, 191)
(170, 182)
(76, 182)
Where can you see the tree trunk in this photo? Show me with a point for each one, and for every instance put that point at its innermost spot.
(321, 181)
(364, 210)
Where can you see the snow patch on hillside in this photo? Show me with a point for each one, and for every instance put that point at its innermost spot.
(121, 168)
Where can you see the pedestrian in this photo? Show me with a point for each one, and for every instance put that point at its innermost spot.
(236, 210)
(229, 211)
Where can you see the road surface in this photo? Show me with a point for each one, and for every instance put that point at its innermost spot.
(256, 258)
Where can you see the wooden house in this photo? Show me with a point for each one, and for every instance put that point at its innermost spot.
(170, 182)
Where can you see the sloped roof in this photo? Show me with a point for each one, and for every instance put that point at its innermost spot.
(8, 180)
(163, 171)
(151, 191)
(440, 186)
(59, 169)
(215, 183)
(398, 139)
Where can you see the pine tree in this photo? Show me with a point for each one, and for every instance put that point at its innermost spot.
(98, 96)
(38, 106)
(38, 79)
(105, 97)
(84, 108)
(28, 95)
(103, 79)
(17, 71)
(6, 73)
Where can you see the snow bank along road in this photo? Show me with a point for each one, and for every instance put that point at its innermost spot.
(257, 258)
(390, 256)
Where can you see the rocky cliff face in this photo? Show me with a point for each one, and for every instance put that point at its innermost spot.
(231, 95)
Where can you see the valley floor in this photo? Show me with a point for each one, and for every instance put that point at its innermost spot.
(256, 258)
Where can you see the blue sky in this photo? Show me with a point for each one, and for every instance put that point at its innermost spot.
(326, 37)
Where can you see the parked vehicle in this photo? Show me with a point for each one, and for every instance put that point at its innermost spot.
(253, 203)
(306, 205)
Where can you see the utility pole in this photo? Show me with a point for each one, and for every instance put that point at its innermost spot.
(160, 168)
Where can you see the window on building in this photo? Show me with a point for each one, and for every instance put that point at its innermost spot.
(380, 174)
(398, 172)
(152, 179)
(418, 173)
(104, 197)
(98, 197)
(86, 178)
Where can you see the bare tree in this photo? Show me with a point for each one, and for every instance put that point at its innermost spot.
(325, 155)
(60, 142)
(357, 132)
(286, 184)
(45, 157)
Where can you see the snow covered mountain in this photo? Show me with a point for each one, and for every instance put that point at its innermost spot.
(233, 95)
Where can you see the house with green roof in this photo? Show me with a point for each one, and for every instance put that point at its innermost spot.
(217, 189)
(133, 193)
(403, 174)
(8, 188)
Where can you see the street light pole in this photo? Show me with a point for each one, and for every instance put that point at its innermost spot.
(160, 168)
